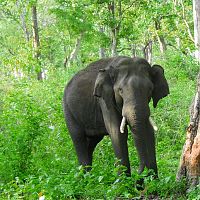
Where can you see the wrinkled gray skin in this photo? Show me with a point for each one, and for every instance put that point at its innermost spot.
(97, 97)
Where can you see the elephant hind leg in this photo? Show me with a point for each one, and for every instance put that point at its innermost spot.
(92, 143)
(81, 147)
(79, 139)
(84, 149)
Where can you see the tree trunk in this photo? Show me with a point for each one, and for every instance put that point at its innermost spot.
(24, 26)
(115, 8)
(161, 40)
(74, 53)
(36, 42)
(163, 46)
(23, 21)
(102, 52)
(114, 43)
(147, 51)
(190, 160)
(178, 42)
(114, 29)
(196, 16)
(133, 48)
(65, 62)
(185, 21)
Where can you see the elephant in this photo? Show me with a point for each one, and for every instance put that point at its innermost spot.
(106, 97)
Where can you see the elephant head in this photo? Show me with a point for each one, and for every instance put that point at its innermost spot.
(129, 85)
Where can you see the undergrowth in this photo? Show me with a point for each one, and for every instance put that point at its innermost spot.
(37, 155)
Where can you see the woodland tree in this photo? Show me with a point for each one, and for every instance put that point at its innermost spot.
(196, 14)
(81, 31)
(190, 160)
(36, 41)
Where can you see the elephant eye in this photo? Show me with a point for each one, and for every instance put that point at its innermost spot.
(120, 91)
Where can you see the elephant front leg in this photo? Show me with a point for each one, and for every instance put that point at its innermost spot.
(112, 122)
(119, 143)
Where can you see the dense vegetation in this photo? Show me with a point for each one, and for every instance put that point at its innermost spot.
(36, 152)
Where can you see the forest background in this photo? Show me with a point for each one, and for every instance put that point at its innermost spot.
(42, 45)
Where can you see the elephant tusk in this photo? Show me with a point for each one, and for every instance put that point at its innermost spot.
(123, 124)
(153, 124)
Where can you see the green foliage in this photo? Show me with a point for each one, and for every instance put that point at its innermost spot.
(62, 22)
(37, 155)
(36, 152)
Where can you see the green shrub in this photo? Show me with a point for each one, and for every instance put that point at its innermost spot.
(37, 155)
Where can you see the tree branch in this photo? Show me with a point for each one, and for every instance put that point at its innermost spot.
(186, 23)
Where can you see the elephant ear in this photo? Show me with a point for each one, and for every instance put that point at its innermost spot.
(161, 88)
(103, 87)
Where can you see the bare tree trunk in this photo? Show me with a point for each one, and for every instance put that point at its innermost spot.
(161, 40)
(23, 21)
(178, 42)
(74, 53)
(36, 41)
(190, 159)
(114, 43)
(102, 52)
(133, 50)
(163, 46)
(112, 8)
(24, 26)
(65, 62)
(147, 51)
(66, 57)
(115, 8)
(177, 39)
(185, 20)
(196, 16)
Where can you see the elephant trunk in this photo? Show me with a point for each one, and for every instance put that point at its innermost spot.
(143, 133)
(145, 145)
